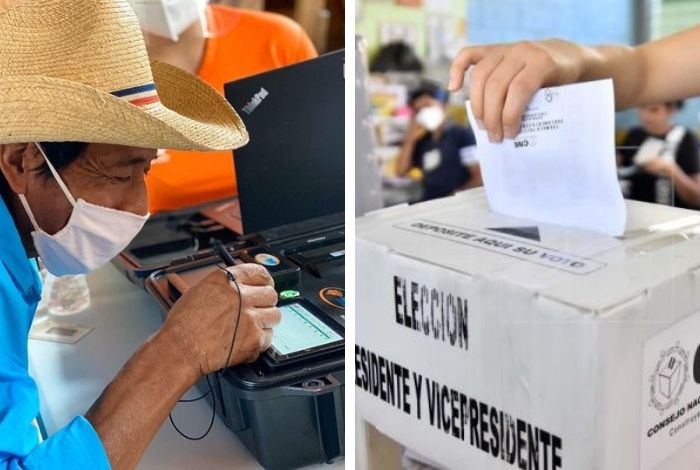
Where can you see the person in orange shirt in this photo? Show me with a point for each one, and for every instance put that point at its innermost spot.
(219, 44)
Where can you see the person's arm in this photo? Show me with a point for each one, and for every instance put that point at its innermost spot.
(193, 341)
(505, 76)
(405, 160)
(474, 180)
(305, 49)
(684, 171)
(687, 186)
(288, 40)
(133, 407)
(467, 155)
(630, 144)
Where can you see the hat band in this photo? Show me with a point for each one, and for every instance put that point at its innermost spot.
(139, 95)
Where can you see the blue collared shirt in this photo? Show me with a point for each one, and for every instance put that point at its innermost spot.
(442, 162)
(77, 445)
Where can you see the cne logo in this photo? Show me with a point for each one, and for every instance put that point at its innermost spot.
(669, 378)
(255, 101)
(548, 95)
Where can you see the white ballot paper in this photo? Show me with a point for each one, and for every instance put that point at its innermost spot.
(561, 168)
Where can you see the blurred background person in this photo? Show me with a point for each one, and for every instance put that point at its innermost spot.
(396, 57)
(443, 150)
(219, 44)
(660, 159)
(408, 46)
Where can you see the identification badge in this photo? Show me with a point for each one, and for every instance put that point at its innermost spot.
(431, 160)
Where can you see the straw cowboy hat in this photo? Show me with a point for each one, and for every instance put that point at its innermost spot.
(77, 70)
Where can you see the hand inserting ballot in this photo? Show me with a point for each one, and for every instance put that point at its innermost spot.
(202, 322)
(504, 78)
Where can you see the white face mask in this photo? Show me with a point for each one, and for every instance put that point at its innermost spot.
(91, 238)
(431, 117)
(169, 18)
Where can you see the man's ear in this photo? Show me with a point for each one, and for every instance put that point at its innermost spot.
(17, 163)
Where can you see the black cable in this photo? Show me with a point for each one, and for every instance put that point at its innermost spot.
(211, 421)
(220, 249)
(228, 358)
(232, 279)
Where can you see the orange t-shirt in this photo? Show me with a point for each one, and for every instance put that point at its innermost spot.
(247, 43)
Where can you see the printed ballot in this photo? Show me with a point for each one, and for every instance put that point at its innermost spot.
(560, 168)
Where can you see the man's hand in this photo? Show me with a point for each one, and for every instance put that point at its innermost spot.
(506, 76)
(404, 161)
(415, 132)
(661, 167)
(194, 340)
(687, 187)
(203, 320)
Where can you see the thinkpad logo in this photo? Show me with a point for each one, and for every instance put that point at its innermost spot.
(669, 378)
(255, 101)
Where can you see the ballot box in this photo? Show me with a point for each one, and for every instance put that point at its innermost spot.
(486, 341)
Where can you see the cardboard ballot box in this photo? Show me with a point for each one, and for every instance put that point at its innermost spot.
(486, 341)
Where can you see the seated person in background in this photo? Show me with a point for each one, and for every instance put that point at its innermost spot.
(219, 44)
(663, 165)
(443, 150)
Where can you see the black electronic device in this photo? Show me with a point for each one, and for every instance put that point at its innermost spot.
(293, 168)
(303, 333)
(178, 236)
(299, 381)
(282, 271)
(291, 175)
(291, 182)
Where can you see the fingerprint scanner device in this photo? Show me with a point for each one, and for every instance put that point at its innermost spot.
(288, 406)
(299, 382)
(282, 271)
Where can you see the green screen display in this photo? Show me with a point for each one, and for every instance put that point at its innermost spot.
(300, 329)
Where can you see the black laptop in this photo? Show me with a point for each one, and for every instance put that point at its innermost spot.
(291, 174)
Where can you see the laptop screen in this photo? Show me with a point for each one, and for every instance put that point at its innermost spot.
(293, 169)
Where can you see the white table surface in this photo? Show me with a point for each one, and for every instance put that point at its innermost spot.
(71, 376)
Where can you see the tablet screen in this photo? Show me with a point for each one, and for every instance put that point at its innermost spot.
(300, 330)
